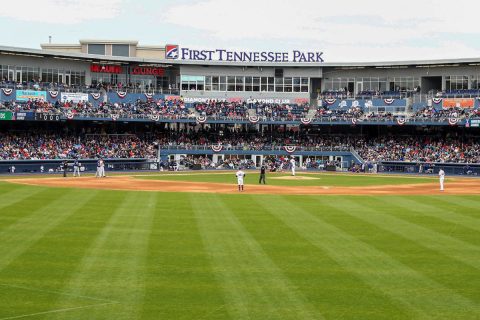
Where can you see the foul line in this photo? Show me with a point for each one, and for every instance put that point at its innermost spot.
(57, 292)
(58, 310)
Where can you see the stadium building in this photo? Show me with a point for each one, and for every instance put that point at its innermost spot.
(112, 73)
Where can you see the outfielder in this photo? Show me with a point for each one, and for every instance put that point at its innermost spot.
(240, 175)
(441, 175)
(292, 164)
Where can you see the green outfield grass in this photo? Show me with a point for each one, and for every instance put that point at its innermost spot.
(318, 179)
(97, 254)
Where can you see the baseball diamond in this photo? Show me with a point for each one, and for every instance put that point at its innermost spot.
(179, 182)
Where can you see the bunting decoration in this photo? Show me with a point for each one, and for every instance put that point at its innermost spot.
(217, 148)
(306, 121)
(290, 149)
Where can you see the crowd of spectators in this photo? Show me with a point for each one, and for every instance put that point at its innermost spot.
(44, 145)
(177, 109)
(35, 146)
(419, 149)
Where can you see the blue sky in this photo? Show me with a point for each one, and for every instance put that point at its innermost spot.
(347, 30)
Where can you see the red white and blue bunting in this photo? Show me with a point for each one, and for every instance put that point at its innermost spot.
(70, 115)
(253, 119)
(95, 96)
(217, 148)
(114, 116)
(53, 94)
(201, 119)
(290, 149)
(154, 117)
(149, 95)
(437, 100)
(389, 101)
(122, 94)
(453, 121)
(330, 101)
(7, 91)
(306, 121)
(401, 121)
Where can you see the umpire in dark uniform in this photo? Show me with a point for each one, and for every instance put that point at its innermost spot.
(263, 169)
(65, 168)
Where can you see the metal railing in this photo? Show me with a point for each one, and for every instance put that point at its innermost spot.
(255, 148)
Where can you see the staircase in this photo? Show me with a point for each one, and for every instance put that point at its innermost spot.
(356, 155)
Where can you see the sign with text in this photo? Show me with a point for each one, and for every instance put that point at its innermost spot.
(458, 103)
(6, 115)
(297, 56)
(75, 97)
(25, 95)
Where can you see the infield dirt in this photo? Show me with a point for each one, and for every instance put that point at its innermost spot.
(455, 187)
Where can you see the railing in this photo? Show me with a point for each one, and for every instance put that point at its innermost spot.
(255, 148)
(467, 169)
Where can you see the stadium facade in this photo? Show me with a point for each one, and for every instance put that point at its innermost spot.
(226, 74)
(132, 72)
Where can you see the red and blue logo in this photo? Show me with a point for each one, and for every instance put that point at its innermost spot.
(171, 51)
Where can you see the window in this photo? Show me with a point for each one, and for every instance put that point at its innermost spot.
(120, 50)
(96, 49)
(456, 83)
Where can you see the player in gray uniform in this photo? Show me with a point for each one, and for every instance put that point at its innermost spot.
(76, 168)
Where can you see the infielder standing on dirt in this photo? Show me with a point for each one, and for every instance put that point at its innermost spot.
(76, 168)
(100, 169)
(441, 175)
(292, 164)
(240, 175)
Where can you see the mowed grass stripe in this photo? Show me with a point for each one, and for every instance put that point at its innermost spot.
(376, 211)
(17, 195)
(436, 210)
(113, 267)
(320, 279)
(423, 297)
(18, 237)
(34, 281)
(254, 287)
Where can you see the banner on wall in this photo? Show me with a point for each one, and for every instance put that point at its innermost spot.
(75, 97)
(25, 95)
(458, 103)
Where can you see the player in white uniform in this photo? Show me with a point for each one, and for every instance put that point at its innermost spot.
(441, 175)
(292, 165)
(240, 175)
(100, 169)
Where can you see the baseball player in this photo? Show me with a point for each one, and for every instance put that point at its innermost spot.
(240, 175)
(292, 164)
(441, 175)
(76, 168)
(263, 169)
(100, 169)
(65, 168)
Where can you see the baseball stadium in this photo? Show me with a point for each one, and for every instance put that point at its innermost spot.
(165, 182)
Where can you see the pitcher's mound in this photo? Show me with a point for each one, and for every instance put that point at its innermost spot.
(295, 178)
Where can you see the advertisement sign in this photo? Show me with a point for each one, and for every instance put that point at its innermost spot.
(173, 51)
(25, 95)
(24, 116)
(458, 103)
(6, 115)
(75, 97)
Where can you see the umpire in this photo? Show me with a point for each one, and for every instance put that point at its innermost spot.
(262, 174)
(65, 168)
